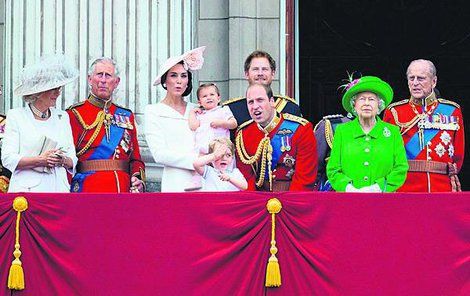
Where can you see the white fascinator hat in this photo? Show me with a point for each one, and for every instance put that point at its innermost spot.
(192, 60)
(49, 73)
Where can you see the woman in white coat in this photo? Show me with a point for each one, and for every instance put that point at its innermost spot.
(38, 145)
(167, 132)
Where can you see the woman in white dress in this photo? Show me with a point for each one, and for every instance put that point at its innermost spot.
(167, 132)
(38, 145)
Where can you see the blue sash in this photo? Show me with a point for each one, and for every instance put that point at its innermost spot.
(412, 147)
(279, 138)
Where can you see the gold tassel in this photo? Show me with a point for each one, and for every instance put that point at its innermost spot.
(16, 275)
(273, 270)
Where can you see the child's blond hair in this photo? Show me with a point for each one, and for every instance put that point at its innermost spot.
(224, 141)
(205, 85)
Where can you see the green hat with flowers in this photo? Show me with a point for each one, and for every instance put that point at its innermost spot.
(366, 84)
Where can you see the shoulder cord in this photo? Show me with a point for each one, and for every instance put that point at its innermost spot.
(329, 133)
(263, 153)
(407, 125)
(97, 124)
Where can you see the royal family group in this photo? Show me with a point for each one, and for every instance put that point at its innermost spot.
(257, 142)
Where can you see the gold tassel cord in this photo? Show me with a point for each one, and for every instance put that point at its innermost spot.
(16, 275)
(97, 124)
(273, 270)
(263, 154)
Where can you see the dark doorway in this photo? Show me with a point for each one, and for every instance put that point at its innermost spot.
(381, 38)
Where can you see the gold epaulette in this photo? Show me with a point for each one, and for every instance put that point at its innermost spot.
(298, 119)
(232, 100)
(76, 105)
(449, 102)
(331, 116)
(398, 103)
(285, 98)
(245, 124)
(327, 118)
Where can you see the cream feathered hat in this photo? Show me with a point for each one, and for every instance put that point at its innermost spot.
(192, 59)
(49, 73)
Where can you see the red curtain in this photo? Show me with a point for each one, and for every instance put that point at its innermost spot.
(218, 244)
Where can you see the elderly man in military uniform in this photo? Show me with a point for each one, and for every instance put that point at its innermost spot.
(433, 132)
(276, 152)
(260, 68)
(105, 137)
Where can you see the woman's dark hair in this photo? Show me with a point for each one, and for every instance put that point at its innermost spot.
(189, 88)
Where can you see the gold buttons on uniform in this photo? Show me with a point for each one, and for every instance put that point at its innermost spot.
(366, 178)
(367, 138)
(367, 150)
(366, 163)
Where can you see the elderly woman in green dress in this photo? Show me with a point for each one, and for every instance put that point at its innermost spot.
(368, 154)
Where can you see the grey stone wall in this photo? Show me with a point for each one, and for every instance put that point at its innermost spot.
(232, 30)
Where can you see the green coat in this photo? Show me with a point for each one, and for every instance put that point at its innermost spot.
(364, 159)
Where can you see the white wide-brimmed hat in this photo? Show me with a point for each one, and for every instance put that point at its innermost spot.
(49, 73)
(193, 60)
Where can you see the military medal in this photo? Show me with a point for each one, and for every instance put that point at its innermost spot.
(287, 144)
(440, 149)
(289, 161)
(290, 173)
(128, 123)
(451, 150)
(445, 138)
(283, 147)
(123, 121)
(126, 141)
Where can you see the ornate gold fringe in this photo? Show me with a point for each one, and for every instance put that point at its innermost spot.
(273, 270)
(16, 275)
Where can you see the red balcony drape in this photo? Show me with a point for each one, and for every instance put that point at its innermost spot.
(218, 244)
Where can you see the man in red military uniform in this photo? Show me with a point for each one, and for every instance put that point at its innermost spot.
(276, 152)
(105, 137)
(432, 130)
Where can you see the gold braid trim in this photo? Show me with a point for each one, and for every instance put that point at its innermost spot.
(94, 124)
(329, 133)
(97, 124)
(404, 127)
(263, 153)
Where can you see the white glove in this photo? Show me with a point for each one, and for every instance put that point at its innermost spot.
(375, 188)
(371, 189)
(351, 188)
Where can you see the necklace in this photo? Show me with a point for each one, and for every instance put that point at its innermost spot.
(39, 113)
